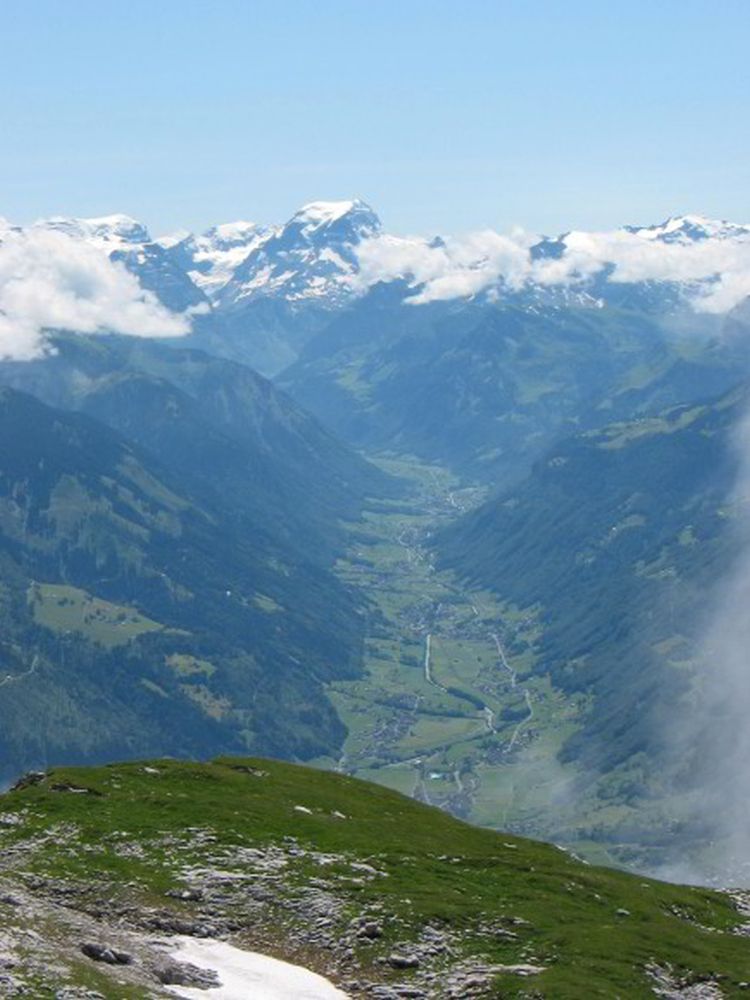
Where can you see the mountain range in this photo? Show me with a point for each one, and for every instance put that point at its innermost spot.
(199, 560)
(260, 292)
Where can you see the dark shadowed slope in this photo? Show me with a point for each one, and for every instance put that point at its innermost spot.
(138, 614)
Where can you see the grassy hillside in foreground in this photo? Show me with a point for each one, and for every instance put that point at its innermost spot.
(350, 878)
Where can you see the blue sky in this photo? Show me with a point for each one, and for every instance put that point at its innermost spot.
(445, 116)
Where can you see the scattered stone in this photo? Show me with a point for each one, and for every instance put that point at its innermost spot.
(74, 789)
(28, 779)
(401, 961)
(622, 912)
(671, 986)
(371, 929)
(246, 769)
(172, 924)
(77, 993)
(188, 895)
(520, 970)
(171, 973)
(101, 953)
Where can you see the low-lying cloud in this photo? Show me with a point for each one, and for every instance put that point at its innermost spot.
(715, 271)
(446, 268)
(708, 735)
(49, 281)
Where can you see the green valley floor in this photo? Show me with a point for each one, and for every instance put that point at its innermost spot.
(453, 707)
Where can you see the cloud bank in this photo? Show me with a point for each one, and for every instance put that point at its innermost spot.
(715, 270)
(708, 736)
(49, 281)
(447, 268)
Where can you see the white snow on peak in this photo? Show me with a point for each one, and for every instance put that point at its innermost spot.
(309, 258)
(323, 213)
(170, 240)
(234, 233)
(318, 215)
(120, 225)
(689, 228)
(110, 232)
(217, 253)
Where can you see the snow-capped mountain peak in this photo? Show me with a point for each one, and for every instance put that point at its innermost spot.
(690, 229)
(319, 215)
(212, 257)
(111, 232)
(313, 257)
(233, 234)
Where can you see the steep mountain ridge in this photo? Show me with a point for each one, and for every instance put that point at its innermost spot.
(151, 612)
(618, 538)
(216, 424)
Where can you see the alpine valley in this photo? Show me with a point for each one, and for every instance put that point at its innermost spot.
(465, 517)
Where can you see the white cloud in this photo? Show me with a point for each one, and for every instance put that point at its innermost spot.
(445, 269)
(50, 281)
(721, 266)
(717, 269)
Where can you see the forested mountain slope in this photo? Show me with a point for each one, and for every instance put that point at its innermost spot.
(619, 538)
(486, 388)
(217, 424)
(139, 614)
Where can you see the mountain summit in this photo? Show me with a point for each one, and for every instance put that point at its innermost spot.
(691, 229)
